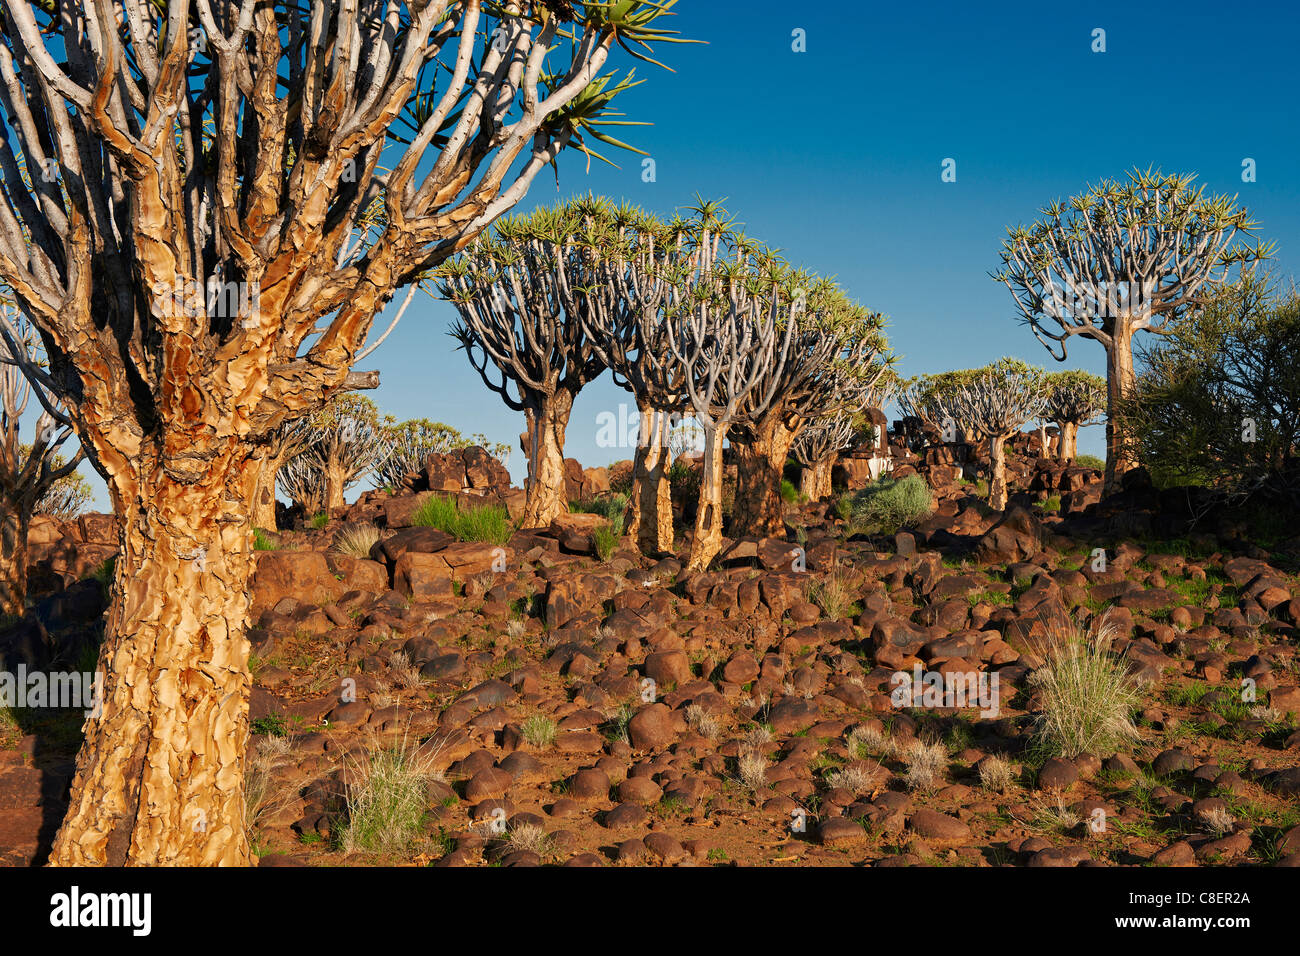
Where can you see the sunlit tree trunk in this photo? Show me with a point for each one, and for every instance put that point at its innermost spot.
(708, 518)
(997, 473)
(159, 780)
(263, 509)
(651, 510)
(545, 495)
(760, 462)
(1120, 379)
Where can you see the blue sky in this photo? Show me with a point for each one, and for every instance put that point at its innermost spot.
(834, 156)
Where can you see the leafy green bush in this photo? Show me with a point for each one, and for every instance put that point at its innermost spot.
(318, 521)
(1090, 461)
(607, 536)
(614, 506)
(890, 504)
(1218, 400)
(488, 523)
(789, 493)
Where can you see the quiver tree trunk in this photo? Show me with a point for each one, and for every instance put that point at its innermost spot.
(335, 479)
(545, 495)
(650, 513)
(263, 508)
(997, 473)
(1068, 441)
(760, 463)
(815, 479)
(1120, 379)
(708, 517)
(15, 517)
(159, 780)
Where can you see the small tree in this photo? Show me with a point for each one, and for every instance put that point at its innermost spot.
(1072, 399)
(634, 260)
(819, 443)
(835, 341)
(1218, 401)
(67, 497)
(517, 296)
(1122, 258)
(344, 443)
(284, 443)
(996, 402)
(29, 473)
(408, 445)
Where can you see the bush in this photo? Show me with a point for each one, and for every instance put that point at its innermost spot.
(1218, 400)
(263, 541)
(890, 504)
(607, 536)
(488, 523)
(356, 540)
(388, 799)
(1091, 461)
(1086, 693)
(614, 506)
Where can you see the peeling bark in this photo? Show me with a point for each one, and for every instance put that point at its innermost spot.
(14, 521)
(545, 495)
(159, 780)
(997, 473)
(708, 517)
(759, 511)
(650, 514)
(815, 479)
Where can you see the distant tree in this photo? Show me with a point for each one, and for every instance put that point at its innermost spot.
(834, 341)
(30, 473)
(996, 401)
(840, 424)
(933, 399)
(408, 445)
(1122, 258)
(517, 296)
(1218, 401)
(344, 443)
(67, 497)
(1073, 399)
(284, 442)
(633, 262)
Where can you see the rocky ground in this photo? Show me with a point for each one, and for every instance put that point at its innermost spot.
(590, 712)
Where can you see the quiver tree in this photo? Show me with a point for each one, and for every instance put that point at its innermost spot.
(1122, 258)
(730, 321)
(408, 444)
(344, 442)
(67, 497)
(632, 261)
(284, 442)
(517, 296)
(934, 400)
(996, 401)
(301, 481)
(834, 340)
(817, 446)
(819, 442)
(1072, 399)
(196, 145)
(29, 472)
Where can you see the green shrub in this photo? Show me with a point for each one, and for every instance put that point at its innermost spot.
(607, 536)
(1086, 692)
(614, 506)
(789, 493)
(318, 521)
(1090, 461)
(263, 541)
(890, 504)
(1218, 401)
(488, 523)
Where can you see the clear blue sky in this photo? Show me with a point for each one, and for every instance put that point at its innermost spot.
(834, 156)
